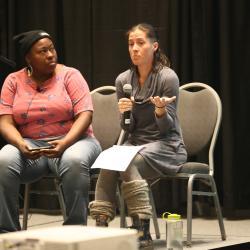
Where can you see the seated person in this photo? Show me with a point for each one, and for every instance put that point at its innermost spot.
(153, 124)
(45, 102)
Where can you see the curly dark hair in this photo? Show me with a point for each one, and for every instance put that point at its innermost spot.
(160, 59)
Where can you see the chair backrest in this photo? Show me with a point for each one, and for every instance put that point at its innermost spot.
(199, 112)
(106, 116)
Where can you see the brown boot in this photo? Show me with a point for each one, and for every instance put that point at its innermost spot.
(144, 237)
(102, 221)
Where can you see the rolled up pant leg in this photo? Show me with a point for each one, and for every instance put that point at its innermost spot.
(135, 189)
(73, 168)
(105, 195)
(136, 196)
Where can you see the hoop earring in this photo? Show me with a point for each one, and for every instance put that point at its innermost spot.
(29, 70)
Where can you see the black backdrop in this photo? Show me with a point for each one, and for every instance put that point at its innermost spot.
(206, 40)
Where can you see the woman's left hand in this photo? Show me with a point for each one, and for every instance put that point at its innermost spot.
(59, 147)
(162, 102)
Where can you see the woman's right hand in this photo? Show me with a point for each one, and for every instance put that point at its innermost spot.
(25, 149)
(125, 104)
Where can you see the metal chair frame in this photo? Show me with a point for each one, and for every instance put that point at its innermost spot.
(28, 191)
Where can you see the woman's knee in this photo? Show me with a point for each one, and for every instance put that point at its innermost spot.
(73, 163)
(132, 172)
(9, 160)
(77, 158)
(75, 178)
(7, 172)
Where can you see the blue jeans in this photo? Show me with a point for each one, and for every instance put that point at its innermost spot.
(72, 167)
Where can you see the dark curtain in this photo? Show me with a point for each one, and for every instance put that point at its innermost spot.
(206, 41)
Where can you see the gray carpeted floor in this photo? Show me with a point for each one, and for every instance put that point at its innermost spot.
(206, 233)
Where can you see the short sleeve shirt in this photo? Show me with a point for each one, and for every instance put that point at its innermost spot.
(48, 112)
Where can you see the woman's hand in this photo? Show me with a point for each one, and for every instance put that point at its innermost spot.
(28, 153)
(58, 148)
(162, 102)
(125, 104)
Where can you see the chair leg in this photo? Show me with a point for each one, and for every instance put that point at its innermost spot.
(26, 206)
(218, 209)
(175, 193)
(214, 193)
(59, 190)
(123, 222)
(189, 210)
(154, 215)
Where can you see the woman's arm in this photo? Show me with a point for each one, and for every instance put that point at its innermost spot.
(166, 117)
(10, 133)
(79, 127)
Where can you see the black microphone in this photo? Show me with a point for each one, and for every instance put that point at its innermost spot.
(127, 90)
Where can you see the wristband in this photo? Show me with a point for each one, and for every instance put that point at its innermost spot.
(160, 107)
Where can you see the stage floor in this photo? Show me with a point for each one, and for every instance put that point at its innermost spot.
(206, 233)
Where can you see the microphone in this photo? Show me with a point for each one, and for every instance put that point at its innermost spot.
(127, 90)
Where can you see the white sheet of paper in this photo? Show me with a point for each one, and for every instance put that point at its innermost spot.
(116, 158)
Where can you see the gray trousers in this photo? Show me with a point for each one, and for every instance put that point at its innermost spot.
(72, 167)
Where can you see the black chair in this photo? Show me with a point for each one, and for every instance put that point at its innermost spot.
(56, 192)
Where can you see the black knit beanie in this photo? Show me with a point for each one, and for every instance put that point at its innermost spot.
(27, 39)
